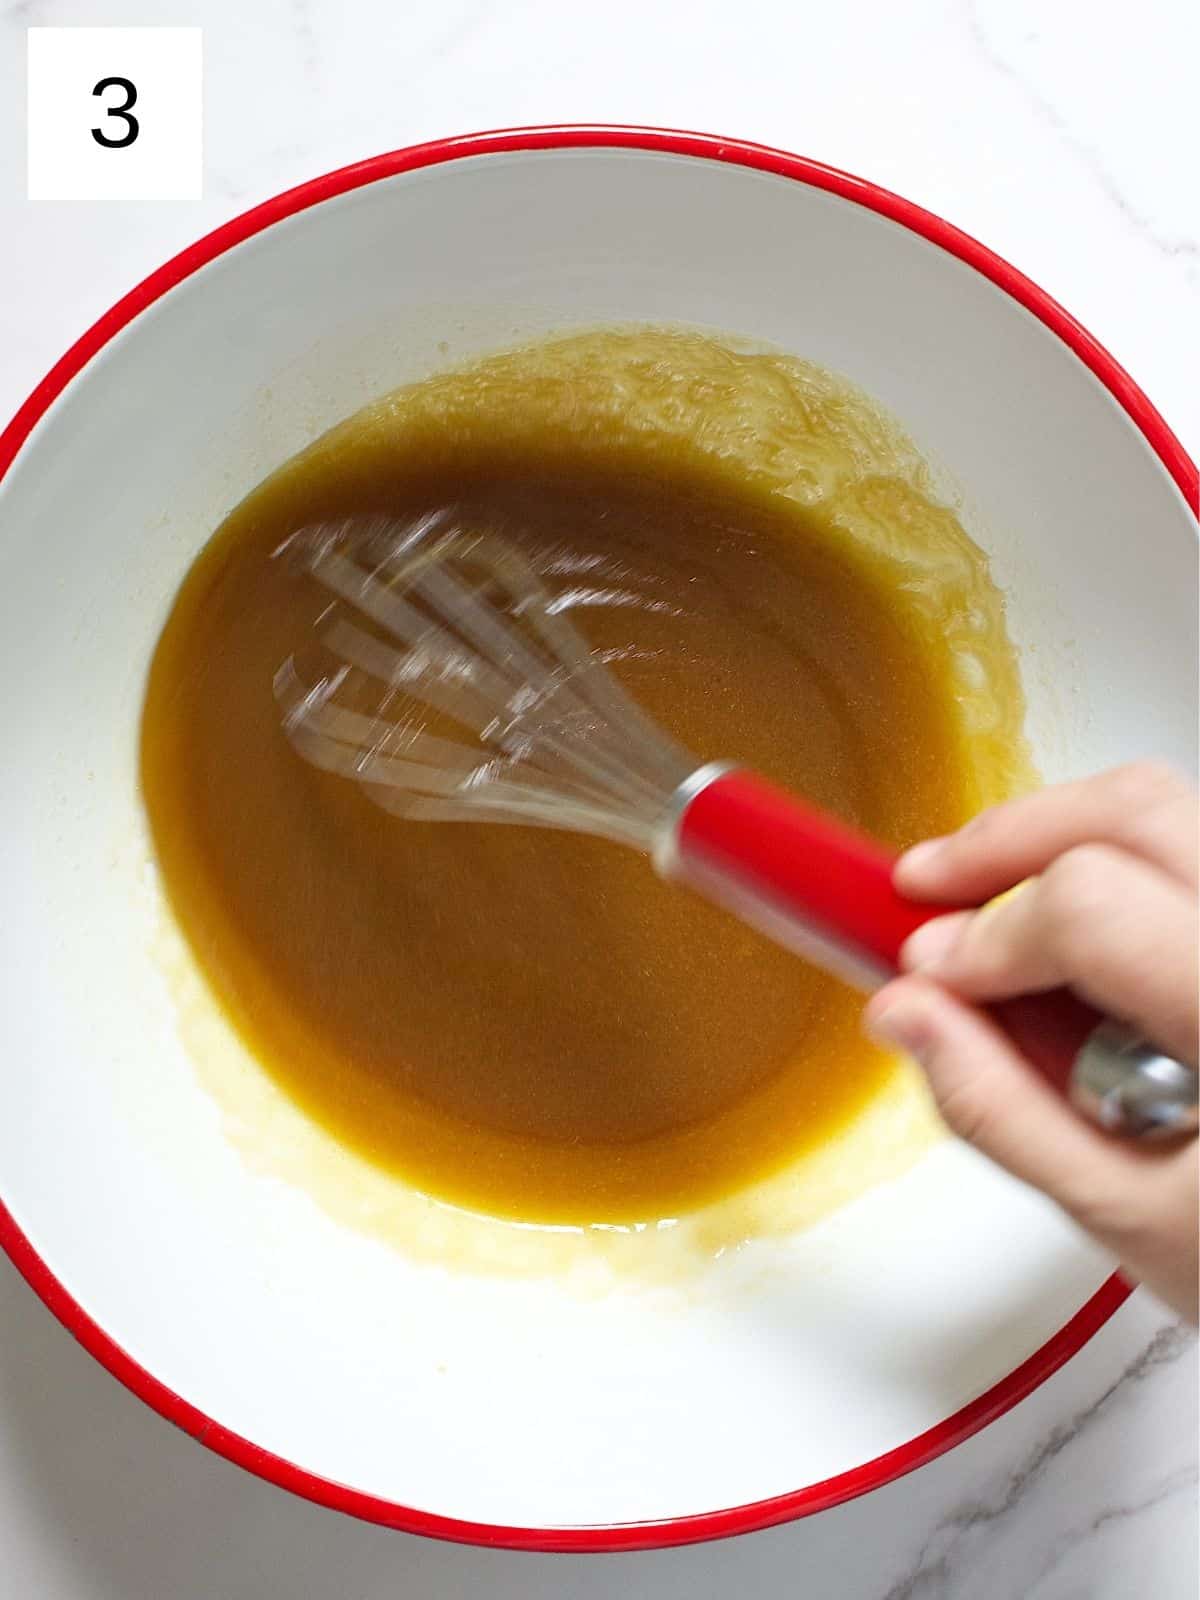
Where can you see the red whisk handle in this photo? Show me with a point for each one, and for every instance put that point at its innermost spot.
(829, 876)
(826, 890)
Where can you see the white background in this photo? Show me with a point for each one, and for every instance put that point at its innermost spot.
(1064, 140)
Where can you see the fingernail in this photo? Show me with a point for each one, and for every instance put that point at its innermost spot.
(928, 947)
(898, 1024)
(915, 861)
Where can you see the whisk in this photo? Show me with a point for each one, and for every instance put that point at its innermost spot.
(431, 620)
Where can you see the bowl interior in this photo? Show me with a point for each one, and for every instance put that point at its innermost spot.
(506, 1400)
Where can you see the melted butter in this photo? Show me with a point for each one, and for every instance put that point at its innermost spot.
(524, 1024)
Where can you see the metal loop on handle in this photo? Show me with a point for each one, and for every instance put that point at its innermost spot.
(1128, 1086)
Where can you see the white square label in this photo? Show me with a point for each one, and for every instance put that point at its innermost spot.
(114, 114)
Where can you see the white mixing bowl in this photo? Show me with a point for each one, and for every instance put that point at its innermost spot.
(505, 1410)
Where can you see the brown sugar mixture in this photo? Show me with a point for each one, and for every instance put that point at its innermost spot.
(525, 1022)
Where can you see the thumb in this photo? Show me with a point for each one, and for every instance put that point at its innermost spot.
(991, 1097)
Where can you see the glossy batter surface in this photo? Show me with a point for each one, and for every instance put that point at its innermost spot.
(526, 1022)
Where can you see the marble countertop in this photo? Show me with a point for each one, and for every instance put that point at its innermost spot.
(1053, 134)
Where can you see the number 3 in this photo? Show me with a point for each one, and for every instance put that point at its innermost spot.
(122, 111)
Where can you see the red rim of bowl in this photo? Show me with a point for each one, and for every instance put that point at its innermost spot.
(953, 1429)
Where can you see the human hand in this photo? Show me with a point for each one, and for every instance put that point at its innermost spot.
(1111, 912)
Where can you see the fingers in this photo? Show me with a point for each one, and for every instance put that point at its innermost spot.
(1109, 911)
(1118, 932)
(1144, 809)
(991, 1098)
(1141, 1204)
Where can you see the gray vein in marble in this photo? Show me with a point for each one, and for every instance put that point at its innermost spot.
(931, 1576)
(1175, 245)
(1175, 1483)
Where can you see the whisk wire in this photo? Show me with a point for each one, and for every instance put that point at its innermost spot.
(471, 634)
